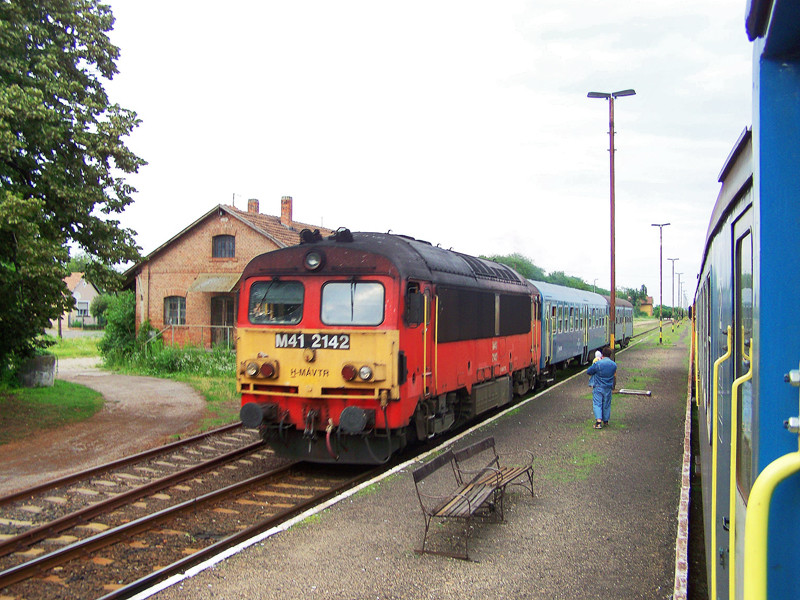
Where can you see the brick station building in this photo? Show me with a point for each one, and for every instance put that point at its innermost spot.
(187, 288)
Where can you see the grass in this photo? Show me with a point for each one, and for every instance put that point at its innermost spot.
(79, 347)
(26, 411)
(222, 400)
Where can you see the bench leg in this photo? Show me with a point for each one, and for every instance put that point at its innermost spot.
(464, 556)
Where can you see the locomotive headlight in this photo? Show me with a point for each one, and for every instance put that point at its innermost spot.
(251, 369)
(365, 373)
(313, 261)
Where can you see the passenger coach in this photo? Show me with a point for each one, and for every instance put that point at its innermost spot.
(747, 337)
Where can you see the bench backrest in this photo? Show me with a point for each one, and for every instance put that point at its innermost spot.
(445, 458)
(476, 448)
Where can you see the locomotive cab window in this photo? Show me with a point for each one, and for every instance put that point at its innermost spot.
(415, 305)
(276, 302)
(352, 303)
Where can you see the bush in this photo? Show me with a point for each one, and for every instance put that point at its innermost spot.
(119, 340)
(160, 360)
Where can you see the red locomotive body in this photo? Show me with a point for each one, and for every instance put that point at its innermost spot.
(352, 347)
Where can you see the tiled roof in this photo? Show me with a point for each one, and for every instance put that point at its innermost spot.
(72, 280)
(272, 226)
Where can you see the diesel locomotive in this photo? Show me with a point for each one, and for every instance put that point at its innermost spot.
(353, 346)
(746, 339)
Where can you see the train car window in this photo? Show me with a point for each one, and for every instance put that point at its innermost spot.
(514, 315)
(174, 310)
(744, 333)
(276, 302)
(352, 303)
(465, 314)
(560, 315)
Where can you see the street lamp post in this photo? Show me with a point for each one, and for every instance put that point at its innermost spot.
(612, 313)
(679, 289)
(660, 270)
(673, 292)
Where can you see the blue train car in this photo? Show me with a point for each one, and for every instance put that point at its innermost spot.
(574, 323)
(623, 326)
(747, 339)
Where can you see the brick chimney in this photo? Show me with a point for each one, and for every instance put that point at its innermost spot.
(252, 206)
(286, 211)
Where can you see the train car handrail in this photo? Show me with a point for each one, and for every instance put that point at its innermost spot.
(734, 465)
(714, 459)
(757, 524)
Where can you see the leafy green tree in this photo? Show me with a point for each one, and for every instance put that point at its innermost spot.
(62, 159)
(521, 264)
(31, 270)
(99, 307)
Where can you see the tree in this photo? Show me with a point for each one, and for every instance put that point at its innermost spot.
(99, 306)
(521, 264)
(31, 269)
(62, 160)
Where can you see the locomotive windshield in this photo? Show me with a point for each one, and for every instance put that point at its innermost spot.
(352, 303)
(276, 302)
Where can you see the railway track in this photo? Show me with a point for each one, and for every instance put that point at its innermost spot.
(111, 544)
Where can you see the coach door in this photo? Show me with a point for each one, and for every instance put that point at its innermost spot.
(742, 425)
(429, 341)
(549, 331)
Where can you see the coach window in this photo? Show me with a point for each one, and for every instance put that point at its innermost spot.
(223, 246)
(743, 353)
(174, 310)
(275, 302)
(352, 303)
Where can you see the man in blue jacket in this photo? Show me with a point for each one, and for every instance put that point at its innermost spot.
(605, 377)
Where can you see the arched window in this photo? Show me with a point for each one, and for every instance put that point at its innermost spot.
(223, 246)
(174, 310)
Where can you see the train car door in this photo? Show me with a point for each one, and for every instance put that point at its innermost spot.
(742, 414)
(429, 340)
(584, 316)
(548, 320)
(536, 333)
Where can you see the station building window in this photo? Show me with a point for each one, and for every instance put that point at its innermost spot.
(174, 310)
(223, 246)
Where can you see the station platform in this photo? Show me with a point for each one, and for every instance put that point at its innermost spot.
(609, 516)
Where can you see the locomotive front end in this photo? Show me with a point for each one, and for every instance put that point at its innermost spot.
(318, 355)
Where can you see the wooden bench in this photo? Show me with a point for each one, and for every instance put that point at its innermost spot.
(471, 468)
(459, 501)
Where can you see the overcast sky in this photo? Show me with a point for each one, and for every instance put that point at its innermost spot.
(464, 123)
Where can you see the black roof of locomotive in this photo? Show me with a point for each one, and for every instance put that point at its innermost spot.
(414, 259)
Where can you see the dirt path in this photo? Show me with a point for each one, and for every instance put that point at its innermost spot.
(139, 413)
